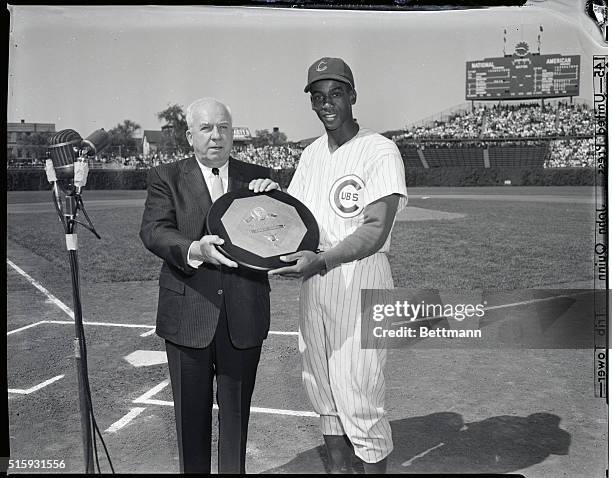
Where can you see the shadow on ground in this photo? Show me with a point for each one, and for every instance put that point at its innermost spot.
(443, 443)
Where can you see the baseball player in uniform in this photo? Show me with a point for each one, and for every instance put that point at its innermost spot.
(352, 179)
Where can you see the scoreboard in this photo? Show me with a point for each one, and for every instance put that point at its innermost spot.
(522, 77)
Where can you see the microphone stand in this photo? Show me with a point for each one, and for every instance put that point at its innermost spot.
(68, 218)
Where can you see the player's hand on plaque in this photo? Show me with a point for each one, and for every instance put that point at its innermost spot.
(211, 254)
(308, 264)
(263, 185)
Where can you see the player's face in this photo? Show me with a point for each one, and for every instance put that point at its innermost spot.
(333, 102)
(211, 134)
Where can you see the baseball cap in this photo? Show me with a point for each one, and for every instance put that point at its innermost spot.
(327, 68)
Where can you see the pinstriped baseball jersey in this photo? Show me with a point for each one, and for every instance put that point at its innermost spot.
(345, 382)
(337, 186)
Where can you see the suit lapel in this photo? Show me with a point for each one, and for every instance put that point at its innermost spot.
(236, 180)
(196, 184)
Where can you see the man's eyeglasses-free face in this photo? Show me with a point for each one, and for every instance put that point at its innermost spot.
(318, 100)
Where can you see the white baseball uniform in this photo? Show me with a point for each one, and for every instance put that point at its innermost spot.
(345, 382)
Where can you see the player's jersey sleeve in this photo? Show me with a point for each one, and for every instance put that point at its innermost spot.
(385, 176)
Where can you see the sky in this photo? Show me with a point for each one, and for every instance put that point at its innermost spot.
(92, 67)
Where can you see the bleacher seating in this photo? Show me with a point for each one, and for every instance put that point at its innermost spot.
(517, 156)
(533, 136)
(454, 157)
(411, 157)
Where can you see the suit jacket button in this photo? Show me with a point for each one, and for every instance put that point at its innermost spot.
(220, 292)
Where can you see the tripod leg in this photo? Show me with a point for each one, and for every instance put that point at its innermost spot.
(81, 206)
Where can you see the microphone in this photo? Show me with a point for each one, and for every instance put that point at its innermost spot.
(67, 167)
(63, 149)
(96, 142)
(66, 147)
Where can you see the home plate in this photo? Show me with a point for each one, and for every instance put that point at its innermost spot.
(145, 358)
(411, 213)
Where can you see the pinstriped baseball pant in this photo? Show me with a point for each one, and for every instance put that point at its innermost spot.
(345, 382)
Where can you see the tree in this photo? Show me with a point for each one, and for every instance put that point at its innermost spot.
(278, 137)
(174, 129)
(122, 137)
(34, 145)
(263, 137)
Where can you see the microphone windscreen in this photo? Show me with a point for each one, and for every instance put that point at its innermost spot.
(97, 141)
(63, 149)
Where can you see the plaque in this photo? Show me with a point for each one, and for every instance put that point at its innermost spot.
(258, 228)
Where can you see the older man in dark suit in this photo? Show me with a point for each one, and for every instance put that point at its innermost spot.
(212, 314)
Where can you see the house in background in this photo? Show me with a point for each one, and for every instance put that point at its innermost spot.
(16, 132)
(151, 142)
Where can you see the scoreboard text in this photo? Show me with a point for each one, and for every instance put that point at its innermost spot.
(517, 77)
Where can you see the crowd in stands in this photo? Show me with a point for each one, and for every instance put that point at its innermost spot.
(13, 163)
(520, 122)
(506, 121)
(464, 125)
(138, 161)
(512, 122)
(571, 154)
(473, 127)
(532, 120)
(275, 157)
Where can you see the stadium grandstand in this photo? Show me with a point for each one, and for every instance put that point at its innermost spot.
(529, 134)
(558, 134)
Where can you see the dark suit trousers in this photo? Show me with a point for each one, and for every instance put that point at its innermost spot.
(191, 374)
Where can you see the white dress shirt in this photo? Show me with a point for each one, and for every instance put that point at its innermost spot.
(208, 178)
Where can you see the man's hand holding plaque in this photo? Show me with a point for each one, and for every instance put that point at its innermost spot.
(308, 264)
(263, 185)
(261, 224)
(210, 254)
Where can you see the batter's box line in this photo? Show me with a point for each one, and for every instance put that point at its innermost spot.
(70, 322)
(70, 313)
(147, 399)
(64, 308)
(151, 328)
(35, 388)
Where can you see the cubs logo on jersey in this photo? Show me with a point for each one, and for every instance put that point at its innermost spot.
(346, 196)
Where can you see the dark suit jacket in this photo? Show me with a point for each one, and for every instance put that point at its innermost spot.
(189, 298)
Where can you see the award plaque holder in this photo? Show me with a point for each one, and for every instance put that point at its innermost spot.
(259, 228)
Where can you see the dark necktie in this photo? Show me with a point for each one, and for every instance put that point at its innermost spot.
(217, 185)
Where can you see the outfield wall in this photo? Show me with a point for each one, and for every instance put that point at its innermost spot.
(499, 176)
(36, 180)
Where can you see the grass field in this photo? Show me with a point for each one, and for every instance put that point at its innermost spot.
(526, 411)
(509, 244)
